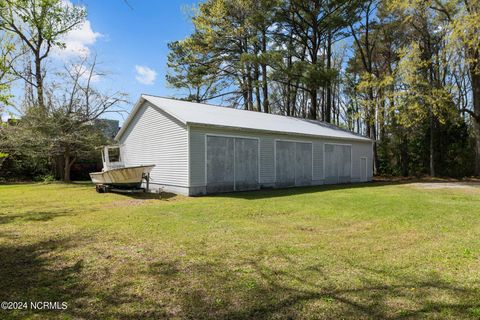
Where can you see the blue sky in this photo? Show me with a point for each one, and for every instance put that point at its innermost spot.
(130, 41)
(133, 42)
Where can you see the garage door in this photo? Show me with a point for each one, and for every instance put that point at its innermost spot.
(246, 164)
(232, 164)
(338, 163)
(293, 163)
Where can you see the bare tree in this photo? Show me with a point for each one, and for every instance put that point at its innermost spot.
(70, 128)
(39, 25)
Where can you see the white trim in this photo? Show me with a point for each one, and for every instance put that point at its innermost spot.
(233, 137)
(234, 180)
(323, 154)
(354, 137)
(275, 158)
(129, 119)
(274, 161)
(205, 151)
(189, 182)
(351, 159)
(259, 176)
(366, 169)
(136, 108)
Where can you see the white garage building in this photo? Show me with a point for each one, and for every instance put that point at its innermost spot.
(200, 149)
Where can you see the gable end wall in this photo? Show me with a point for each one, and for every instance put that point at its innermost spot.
(155, 137)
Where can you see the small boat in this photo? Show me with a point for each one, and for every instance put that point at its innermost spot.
(115, 175)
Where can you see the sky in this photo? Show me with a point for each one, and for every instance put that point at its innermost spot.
(129, 39)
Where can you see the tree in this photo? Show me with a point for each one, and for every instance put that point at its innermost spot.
(415, 65)
(365, 45)
(312, 23)
(69, 128)
(224, 31)
(9, 53)
(194, 71)
(39, 25)
(463, 16)
(427, 69)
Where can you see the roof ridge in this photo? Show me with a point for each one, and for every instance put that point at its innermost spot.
(313, 121)
(257, 120)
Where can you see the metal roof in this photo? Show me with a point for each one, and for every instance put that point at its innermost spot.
(218, 116)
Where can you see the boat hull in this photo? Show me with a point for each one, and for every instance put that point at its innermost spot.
(128, 177)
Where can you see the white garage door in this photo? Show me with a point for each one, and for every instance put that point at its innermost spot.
(293, 163)
(338, 163)
(232, 164)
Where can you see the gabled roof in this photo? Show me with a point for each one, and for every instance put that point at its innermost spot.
(191, 113)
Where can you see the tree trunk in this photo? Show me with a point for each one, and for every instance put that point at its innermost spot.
(328, 107)
(312, 113)
(383, 117)
(68, 162)
(288, 89)
(404, 154)
(431, 146)
(244, 89)
(477, 146)
(39, 82)
(258, 98)
(266, 101)
(375, 148)
(321, 116)
(371, 129)
(249, 89)
(476, 117)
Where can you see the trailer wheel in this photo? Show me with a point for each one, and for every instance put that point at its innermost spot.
(100, 189)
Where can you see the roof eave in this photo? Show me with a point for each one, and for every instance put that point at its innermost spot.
(143, 99)
(355, 138)
(135, 109)
(137, 105)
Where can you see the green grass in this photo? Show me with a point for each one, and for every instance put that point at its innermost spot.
(360, 251)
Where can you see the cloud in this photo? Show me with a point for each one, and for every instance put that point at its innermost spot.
(77, 41)
(145, 75)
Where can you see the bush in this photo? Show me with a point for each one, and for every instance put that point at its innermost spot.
(47, 178)
(3, 156)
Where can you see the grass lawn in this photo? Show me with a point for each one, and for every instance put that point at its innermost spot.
(356, 251)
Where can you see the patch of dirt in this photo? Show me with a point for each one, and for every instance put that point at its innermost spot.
(127, 203)
(307, 229)
(423, 179)
(145, 199)
(446, 185)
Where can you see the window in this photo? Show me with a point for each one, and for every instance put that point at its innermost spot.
(114, 154)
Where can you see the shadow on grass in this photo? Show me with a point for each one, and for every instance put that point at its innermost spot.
(27, 275)
(201, 289)
(276, 294)
(35, 215)
(149, 195)
(286, 192)
(40, 272)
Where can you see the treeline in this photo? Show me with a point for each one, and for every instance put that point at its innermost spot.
(406, 73)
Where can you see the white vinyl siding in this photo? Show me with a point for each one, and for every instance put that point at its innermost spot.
(267, 154)
(154, 137)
